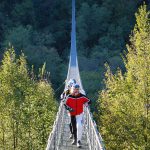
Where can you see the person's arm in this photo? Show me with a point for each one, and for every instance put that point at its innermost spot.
(87, 100)
(63, 95)
(67, 105)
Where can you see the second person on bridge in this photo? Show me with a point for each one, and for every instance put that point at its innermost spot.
(63, 96)
(75, 101)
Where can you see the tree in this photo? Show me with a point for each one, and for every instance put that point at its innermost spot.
(27, 105)
(20, 37)
(126, 97)
(23, 13)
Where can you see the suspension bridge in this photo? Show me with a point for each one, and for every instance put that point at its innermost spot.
(59, 137)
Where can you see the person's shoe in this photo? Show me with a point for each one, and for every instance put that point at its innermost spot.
(79, 144)
(74, 142)
(71, 136)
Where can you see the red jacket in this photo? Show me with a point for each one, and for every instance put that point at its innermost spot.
(76, 103)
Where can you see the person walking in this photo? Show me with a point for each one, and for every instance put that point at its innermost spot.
(75, 103)
(66, 92)
(63, 97)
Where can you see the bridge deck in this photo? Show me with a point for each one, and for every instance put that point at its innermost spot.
(65, 143)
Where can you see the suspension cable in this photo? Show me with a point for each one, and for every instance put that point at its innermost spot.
(60, 86)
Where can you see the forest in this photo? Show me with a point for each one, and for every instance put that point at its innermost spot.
(42, 32)
(114, 56)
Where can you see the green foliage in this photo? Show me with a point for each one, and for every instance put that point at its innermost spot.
(102, 30)
(23, 13)
(37, 47)
(27, 106)
(42, 31)
(92, 85)
(19, 36)
(124, 119)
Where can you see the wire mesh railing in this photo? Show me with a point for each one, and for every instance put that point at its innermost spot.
(55, 136)
(94, 139)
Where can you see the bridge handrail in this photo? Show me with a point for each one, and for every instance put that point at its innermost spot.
(94, 138)
(55, 135)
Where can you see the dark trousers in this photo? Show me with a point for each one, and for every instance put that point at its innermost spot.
(74, 127)
(71, 128)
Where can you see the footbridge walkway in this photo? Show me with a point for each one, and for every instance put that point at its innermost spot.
(59, 137)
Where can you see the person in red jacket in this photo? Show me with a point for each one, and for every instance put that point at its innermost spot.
(75, 103)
